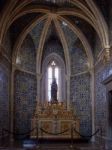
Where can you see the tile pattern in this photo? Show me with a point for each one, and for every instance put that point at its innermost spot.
(7, 45)
(80, 85)
(78, 57)
(53, 46)
(52, 43)
(4, 93)
(97, 48)
(25, 100)
(51, 32)
(81, 101)
(19, 25)
(26, 58)
(69, 35)
(36, 33)
(100, 94)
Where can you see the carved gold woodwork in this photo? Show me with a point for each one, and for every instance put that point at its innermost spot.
(54, 119)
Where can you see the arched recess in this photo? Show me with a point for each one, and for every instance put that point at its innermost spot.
(65, 47)
(62, 77)
(91, 22)
(4, 17)
(101, 22)
(62, 39)
(27, 72)
(28, 10)
(26, 56)
(9, 9)
(24, 34)
(88, 8)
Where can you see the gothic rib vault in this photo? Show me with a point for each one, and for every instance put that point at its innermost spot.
(81, 18)
(86, 10)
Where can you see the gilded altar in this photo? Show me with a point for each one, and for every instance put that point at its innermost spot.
(54, 121)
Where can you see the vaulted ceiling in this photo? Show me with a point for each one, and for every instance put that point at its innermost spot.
(44, 20)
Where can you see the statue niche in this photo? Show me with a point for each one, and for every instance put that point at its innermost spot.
(54, 89)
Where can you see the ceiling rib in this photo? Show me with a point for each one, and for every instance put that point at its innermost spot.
(22, 36)
(82, 38)
(42, 42)
(64, 44)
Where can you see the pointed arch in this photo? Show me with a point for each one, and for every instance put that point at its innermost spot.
(23, 35)
(82, 39)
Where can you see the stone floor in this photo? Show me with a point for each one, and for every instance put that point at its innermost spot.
(60, 146)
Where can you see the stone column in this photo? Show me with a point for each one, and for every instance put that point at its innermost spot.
(12, 104)
(39, 77)
(93, 100)
(68, 92)
(105, 56)
(107, 51)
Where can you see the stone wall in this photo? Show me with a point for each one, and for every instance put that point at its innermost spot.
(24, 101)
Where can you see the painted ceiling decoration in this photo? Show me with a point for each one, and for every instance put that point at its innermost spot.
(38, 15)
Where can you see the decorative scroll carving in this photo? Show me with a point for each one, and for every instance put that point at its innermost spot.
(54, 118)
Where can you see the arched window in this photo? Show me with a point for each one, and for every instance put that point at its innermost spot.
(53, 66)
(53, 72)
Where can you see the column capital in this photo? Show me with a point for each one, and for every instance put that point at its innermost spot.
(107, 54)
(39, 76)
(91, 70)
(104, 56)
